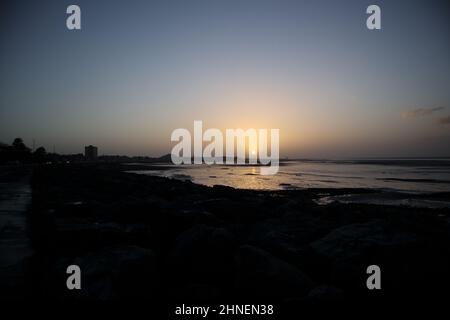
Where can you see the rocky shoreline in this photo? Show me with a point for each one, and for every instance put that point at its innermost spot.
(143, 237)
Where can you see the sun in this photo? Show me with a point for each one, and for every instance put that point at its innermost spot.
(253, 152)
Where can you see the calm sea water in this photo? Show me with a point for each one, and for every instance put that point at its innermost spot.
(406, 182)
(403, 175)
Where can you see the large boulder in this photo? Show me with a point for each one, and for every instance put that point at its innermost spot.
(89, 235)
(350, 249)
(357, 239)
(203, 253)
(194, 293)
(260, 274)
(123, 272)
(325, 293)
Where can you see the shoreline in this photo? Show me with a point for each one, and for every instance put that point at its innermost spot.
(372, 195)
(138, 237)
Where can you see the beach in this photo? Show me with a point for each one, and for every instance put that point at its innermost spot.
(140, 237)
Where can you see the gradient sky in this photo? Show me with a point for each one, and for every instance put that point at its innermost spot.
(139, 69)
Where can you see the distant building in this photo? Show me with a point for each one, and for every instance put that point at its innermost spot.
(90, 153)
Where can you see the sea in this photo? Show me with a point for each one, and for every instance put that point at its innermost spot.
(390, 179)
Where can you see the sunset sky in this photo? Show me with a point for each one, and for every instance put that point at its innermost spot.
(139, 69)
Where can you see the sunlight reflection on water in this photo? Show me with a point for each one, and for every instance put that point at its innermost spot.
(302, 175)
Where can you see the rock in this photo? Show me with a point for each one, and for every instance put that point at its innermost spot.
(195, 293)
(356, 239)
(350, 249)
(203, 253)
(188, 217)
(91, 235)
(262, 275)
(277, 239)
(122, 272)
(359, 238)
(325, 293)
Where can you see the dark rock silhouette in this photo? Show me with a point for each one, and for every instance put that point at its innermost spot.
(216, 244)
(263, 275)
(204, 253)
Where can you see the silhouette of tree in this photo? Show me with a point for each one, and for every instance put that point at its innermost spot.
(40, 152)
(19, 151)
(40, 155)
(18, 145)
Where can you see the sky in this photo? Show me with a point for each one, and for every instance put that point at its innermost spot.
(137, 70)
